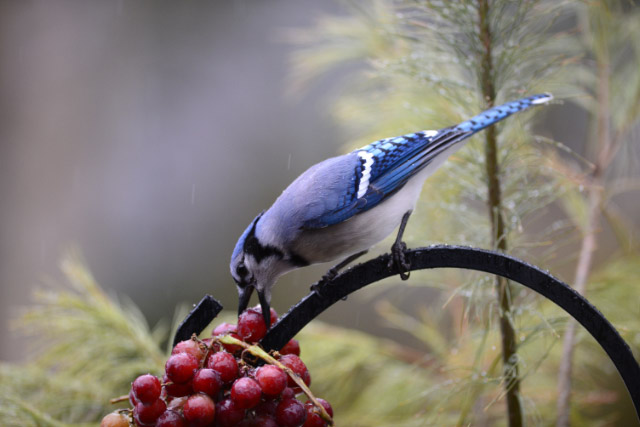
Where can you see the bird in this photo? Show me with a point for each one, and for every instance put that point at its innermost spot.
(342, 206)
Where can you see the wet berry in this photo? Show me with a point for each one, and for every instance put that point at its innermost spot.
(326, 405)
(251, 326)
(274, 315)
(207, 381)
(171, 419)
(290, 413)
(224, 328)
(246, 393)
(146, 389)
(225, 364)
(176, 390)
(148, 414)
(181, 367)
(114, 419)
(199, 410)
(228, 413)
(314, 419)
(176, 403)
(192, 347)
(232, 330)
(296, 364)
(292, 347)
(272, 380)
(288, 393)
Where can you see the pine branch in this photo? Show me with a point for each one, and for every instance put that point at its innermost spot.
(88, 348)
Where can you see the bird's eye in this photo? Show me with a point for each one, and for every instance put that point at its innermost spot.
(241, 270)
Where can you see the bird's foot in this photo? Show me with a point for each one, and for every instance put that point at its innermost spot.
(398, 259)
(328, 276)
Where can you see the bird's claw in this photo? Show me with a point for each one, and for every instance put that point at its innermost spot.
(398, 260)
(328, 276)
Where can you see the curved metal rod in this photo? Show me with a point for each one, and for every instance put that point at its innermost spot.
(514, 269)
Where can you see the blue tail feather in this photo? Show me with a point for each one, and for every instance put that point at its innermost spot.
(500, 112)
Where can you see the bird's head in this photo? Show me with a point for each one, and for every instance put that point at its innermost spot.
(256, 265)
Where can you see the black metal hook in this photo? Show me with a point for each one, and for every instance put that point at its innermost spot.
(198, 318)
(487, 261)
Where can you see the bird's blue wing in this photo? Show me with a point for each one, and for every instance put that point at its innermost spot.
(392, 173)
(384, 167)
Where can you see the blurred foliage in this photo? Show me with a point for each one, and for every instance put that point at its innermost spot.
(414, 63)
(85, 349)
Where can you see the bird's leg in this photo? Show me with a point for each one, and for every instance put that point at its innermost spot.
(398, 250)
(333, 271)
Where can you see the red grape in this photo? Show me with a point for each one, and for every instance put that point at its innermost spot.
(224, 328)
(192, 347)
(228, 413)
(290, 413)
(246, 393)
(274, 315)
(325, 404)
(171, 419)
(137, 422)
(199, 410)
(314, 419)
(177, 390)
(272, 380)
(225, 364)
(207, 381)
(228, 328)
(148, 414)
(176, 403)
(288, 393)
(292, 347)
(146, 389)
(251, 326)
(114, 419)
(296, 364)
(181, 367)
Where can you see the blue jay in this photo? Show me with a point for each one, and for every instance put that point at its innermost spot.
(339, 208)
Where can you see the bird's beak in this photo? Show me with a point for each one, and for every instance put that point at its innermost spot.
(244, 295)
(264, 297)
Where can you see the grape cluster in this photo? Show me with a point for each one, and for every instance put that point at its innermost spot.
(208, 383)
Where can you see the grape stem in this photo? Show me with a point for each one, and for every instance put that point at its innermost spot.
(119, 399)
(194, 337)
(259, 352)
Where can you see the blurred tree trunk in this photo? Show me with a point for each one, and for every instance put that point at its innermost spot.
(604, 153)
(498, 237)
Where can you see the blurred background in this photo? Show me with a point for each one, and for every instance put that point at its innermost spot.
(148, 134)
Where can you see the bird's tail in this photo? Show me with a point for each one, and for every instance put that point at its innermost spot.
(495, 114)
